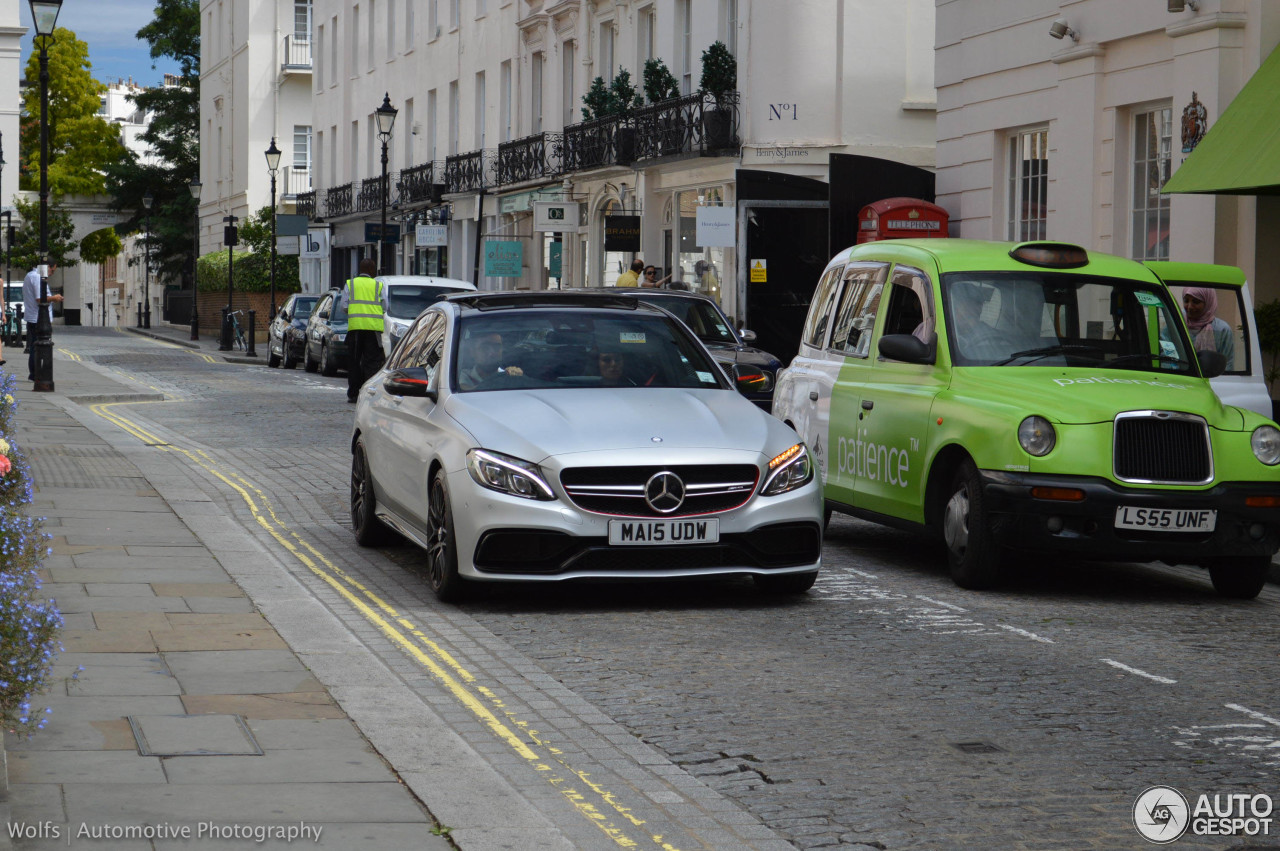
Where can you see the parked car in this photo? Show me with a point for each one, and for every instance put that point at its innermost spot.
(548, 436)
(406, 296)
(12, 301)
(727, 345)
(287, 333)
(1242, 384)
(1031, 398)
(325, 348)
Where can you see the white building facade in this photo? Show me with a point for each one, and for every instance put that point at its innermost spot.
(1072, 137)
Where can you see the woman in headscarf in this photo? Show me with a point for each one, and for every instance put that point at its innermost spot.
(1207, 330)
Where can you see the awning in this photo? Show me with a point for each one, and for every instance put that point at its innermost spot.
(1240, 155)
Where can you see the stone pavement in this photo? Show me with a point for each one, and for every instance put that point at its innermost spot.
(190, 713)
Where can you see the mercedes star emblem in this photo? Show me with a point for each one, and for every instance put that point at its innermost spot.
(664, 492)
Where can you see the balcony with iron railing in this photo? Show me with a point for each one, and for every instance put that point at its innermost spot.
(697, 123)
(466, 172)
(337, 201)
(305, 204)
(535, 157)
(370, 196)
(297, 180)
(297, 54)
(597, 143)
(422, 184)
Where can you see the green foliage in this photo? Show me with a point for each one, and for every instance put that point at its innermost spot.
(659, 83)
(719, 71)
(251, 269)
(26, 240)
(173, 135)
(598, 100)
(100, 246)
(617, 98)
(623, 91)
(29, 625)
(81, 142)
(256, 234)
(1267, 317)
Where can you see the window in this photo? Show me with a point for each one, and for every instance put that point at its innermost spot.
(504, 119)
(373, 38)
(567, 55)
(684, 43)
(409, 130)
(731, 26)
(480, 107)
(453, 118)
(605, 66)
(819, 320)
(354, 156)
(453, 14)
(318, 160)
(391, 28)
(481, 8)
(1152, 152)
(333, 155)
(431, 126)
(302, 146)
(910, 308)
(353, 61)
(302, 19)
(319, 55)
(409, 24)
(433, 18)
(647, 26)
(333, 51)
(857, 314)
(535, 77)
(1028, 184)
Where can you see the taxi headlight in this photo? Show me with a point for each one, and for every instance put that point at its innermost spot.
(508, 474)
(1266, 444)
(788, 471)
(1036, 436)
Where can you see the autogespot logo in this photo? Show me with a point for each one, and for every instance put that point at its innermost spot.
(1161, 815)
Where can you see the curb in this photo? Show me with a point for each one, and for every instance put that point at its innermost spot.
(166, 338)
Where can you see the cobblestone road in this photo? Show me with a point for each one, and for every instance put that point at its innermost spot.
(887, 709)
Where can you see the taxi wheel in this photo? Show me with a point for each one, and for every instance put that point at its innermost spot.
(972, 553)
(368, 528)
(792, 583)
(442, 548)
(1240, 578)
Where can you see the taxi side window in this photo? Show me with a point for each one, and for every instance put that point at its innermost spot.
(1221, 315)
(910, 308)
(857, 315)
(822, 307)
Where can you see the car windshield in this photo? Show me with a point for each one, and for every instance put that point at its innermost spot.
(302, 307)
(406, 301)
(548, 348)
(338, 309)
(1055, 319)
(704, 320)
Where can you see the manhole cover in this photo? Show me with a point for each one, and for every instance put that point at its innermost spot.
(193, 735)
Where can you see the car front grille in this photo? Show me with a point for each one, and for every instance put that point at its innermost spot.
(709, 488)
(1162, 447)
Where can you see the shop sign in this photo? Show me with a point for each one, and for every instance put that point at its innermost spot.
(372, 229)
(431, 236)
(715, 227)
(621, 233)
(554, 258)
(554, 216)
(759, 271)
(503, 258)
(287, 245)
(317, 244)
(290, 225)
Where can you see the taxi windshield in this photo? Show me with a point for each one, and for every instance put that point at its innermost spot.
(579, 349)
(1055, 319)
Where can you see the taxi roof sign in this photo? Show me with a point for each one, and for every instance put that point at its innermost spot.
(1050, 255)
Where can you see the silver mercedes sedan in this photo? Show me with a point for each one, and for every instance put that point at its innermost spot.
(548, 436)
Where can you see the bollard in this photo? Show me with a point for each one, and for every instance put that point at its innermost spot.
(139, 314)
(250, 351)
(224, 340)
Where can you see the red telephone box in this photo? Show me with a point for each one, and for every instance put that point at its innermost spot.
(901, 218)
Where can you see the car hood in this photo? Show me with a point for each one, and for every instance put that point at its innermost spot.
(535, 424)
(729, 353)
(1095, 395)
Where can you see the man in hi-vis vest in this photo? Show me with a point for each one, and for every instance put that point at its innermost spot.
(363, 296)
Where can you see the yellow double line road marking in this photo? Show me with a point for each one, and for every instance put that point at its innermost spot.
(411, 638)
(70, 355)
(202, 355)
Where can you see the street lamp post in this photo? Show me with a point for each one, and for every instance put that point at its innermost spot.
(44, 14)
(194, 186)
(147, 200)
(273, 165)
(386, 117)
(231, 236)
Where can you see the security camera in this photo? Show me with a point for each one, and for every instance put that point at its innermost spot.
(1181, 5)
(1059, 28)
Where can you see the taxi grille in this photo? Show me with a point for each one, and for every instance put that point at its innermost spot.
(1162, 447)
(709, 488)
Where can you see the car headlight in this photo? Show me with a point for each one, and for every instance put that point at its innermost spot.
(509, 475)
(1036, 436)
(339, 338)
(788, 471)
(1266, 444)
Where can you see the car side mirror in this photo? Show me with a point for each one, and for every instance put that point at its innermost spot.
(1212, 364)
(324, 314)
(906, 348)
(747, 335)
(410, 381)
(748, 379)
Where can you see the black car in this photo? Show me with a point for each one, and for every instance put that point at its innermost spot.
(326, 336)
(287, 333)
(757, 370)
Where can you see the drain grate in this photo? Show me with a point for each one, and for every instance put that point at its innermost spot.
(193, 735)
(976, 747)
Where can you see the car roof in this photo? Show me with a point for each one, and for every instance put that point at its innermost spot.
(642, 292)
(972, 255)
(426, 280)
(564, 299)
(1207, 273)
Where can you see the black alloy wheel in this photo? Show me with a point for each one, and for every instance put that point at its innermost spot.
(327, 366)
(289, 360)
(307, 363)
(442, 549)
(972, 553)
(1240, 578)
(368, 528)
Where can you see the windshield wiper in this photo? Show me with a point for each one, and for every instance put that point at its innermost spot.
(1162, 358)
(1037, 354)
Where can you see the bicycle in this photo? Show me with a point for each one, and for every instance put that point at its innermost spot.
(237, 332)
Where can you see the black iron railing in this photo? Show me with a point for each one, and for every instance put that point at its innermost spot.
(337, 201)
(530, 158)
(596, 143)
(370, 195)
(420, 184)
(696, 123)
(305, 204)
(465, 172)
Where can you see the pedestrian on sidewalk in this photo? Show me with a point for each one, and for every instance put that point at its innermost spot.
(30, 311)
(364, 298)
(631, 277)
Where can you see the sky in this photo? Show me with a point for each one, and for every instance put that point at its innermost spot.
(110, 29)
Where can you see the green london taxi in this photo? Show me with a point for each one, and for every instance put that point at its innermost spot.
(1029, 398)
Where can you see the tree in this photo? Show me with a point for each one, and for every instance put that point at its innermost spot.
(625, 96)
(597, 102)
(26, 242)
(81, 142)
(99, 247)
(173, 135)
(719, 71)
(659, 83)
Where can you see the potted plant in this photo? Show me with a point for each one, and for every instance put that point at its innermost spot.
(1267, 318)
(661, 85)
(624, 98)
(719, 78)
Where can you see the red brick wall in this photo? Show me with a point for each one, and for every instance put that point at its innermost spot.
(210, 306)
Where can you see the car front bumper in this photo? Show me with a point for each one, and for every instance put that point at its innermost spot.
(502, 537)
(1088, 527)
